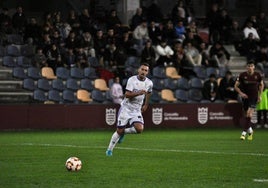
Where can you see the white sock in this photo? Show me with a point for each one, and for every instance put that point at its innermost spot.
(244, 133)
(130, 130)
(250, 130)
(114, 140)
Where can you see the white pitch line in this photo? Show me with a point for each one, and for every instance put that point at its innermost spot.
(260, 180)
(145, 149)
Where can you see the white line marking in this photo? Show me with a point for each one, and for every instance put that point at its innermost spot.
(145, 149)
(260, 180)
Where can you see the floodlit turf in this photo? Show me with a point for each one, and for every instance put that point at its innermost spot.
(156, 158)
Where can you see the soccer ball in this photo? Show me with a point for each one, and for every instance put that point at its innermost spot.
(73, 164)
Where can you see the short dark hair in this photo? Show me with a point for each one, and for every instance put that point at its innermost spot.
(145, 64)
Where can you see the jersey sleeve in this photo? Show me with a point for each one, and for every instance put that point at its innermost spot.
(129, 86)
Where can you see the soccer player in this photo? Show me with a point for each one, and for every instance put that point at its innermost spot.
(136, 100)
(249, 86)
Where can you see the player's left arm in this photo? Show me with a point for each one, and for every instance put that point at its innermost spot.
(146, 102)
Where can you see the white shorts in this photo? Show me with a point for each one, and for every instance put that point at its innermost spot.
(127, 116)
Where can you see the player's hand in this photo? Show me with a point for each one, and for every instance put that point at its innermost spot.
(144, 108)
(142, 92)
(243, 95)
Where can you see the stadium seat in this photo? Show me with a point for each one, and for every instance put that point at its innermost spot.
(100, 84)
(183, 83)
(93, 62)
(172, 72)
(98, 96)
(109, 98)
(68, 96)
(222, 71)
(24, 61)
(39, 95)
(168, 95)
(181, 95)
(195, 83)
(76, 73)
(19, 72)
(212, 70)
(170, 83)
(158, 84)
(155, 97)
(58, 84)
(90, 72)
(72, 84)
(34, 73)
(83, 95)
(159, 72)
(195, 95)
(15, 39)
(132, 61)
(9, 61)
(63, 73)
(200, 72)
(54, 95)
(2, 51)
(29, 84)
(27, 50)
(43, 84)
(48, 73)
(12, 50)
(87, 84)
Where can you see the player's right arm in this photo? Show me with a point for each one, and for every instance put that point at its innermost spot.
(131, 94)
(238, 90)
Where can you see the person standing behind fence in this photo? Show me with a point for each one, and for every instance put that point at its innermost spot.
(249, 86)
(262, 108)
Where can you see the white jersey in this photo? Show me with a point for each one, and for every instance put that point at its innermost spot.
(135, 85)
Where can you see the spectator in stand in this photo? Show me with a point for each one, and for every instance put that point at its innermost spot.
(154, 33)
(180, 31)
(218, 53)
(5, 22)
(126, 42)
(58, 40)
(141, 34)
(117, 91)
(81, 58)
(65, 30)
(191, 27)
(164, 54)
(210, 88)
(48, 20)
(86, 21)
(137, 18)
(154, 13)
(206, 60)
(72, 41)
(110, 37)
(213, 22)
(250, 29)
(226, 87)
(178, 12)
(87, 42)
(236, 36)
(39, 59)
(113, 21)
(19, 20)
(74, 21)
(99, 45)
(250, 47)
(54, 59)
(262, 21)
(70, 58)
(168, 32)
(33, 30)
(195, 40)
(225, 25)
(192, 55)
(110, 57)
(262, 58)
(45, 43)
(148, 54)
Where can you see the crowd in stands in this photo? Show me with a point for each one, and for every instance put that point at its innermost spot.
(154, 38)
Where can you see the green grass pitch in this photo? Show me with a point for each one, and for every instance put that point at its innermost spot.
(185, 158)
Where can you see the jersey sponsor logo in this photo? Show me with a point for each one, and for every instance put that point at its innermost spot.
(110, 116)
(202, 115)
(157, 115)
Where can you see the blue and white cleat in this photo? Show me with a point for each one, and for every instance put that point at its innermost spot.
(109, 153)
(121, 139)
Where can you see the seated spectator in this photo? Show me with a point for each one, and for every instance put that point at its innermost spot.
(180, 31)
(99, 45)
(70, 58)
(74, 21)
(154, 33)
(137, 18)
(225, 25)
(117, 91)
(113, 21)
(262, 58)
(39, 59)
(249, 47)
(33, 30)
(72, 41)
(168, 32)
(5, 22)
(250, 29)
(87, 42)
(210, 88)
(81, 58)
(195, 40)
(226, 87)
(19, 20)
(164, 54)
(141, 34)
(206, 60)
(192, 55)
(178, 12)
(236, 36)
(218, 53)
(54, 59)
(148, 54)
(86, 21)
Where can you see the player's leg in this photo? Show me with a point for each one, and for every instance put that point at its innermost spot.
(136, 123)
(246, 119)
(249, 125)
